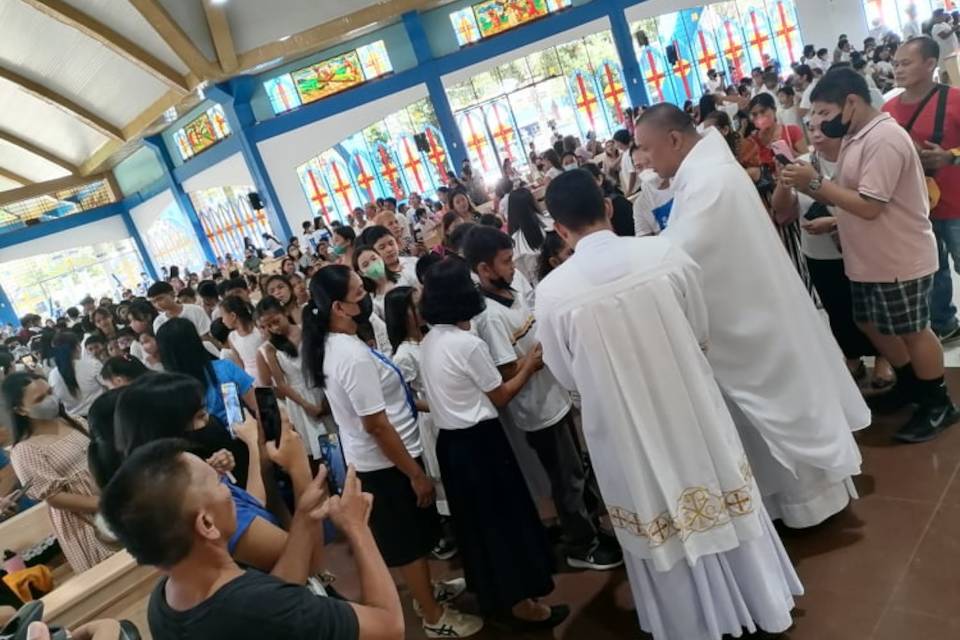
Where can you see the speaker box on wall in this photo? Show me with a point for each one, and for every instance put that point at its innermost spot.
(255, 200)
(672, 56)
(422, 143)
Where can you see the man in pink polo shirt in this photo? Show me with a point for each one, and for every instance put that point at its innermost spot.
(889, 250)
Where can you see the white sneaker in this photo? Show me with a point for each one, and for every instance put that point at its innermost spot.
(453, 624)
(444, 591)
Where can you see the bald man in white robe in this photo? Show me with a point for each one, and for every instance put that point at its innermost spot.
(781, 371)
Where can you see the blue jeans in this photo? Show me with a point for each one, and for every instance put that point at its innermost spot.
(943, 313)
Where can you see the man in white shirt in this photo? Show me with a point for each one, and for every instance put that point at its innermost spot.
(628, 174)
(651, 207)
(542, 409)
(623, 321)
(911, 28)
(803, 83)
(161, 296)
(945, 35)
(793, 400)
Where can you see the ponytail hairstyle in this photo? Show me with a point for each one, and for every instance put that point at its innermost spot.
(396, 307)
(553, 245)
(239, 307)
(268, 305)
(328, 285)
(65, 345)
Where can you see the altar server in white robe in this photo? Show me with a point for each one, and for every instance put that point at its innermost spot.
(623, 321)
(791, 396)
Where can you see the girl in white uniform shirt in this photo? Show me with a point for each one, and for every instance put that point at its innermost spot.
(506, 555)
(245, 337)
(75, 381)
(377, 278)
(527, 228)
(377, 416)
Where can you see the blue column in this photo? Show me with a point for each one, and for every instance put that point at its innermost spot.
(438, 96)
(235, 99)
(145, 256)
(632, 75)
(8, 315)
(180, 196)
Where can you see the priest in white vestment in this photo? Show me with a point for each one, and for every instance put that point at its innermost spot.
(623, 322)
(792, 398)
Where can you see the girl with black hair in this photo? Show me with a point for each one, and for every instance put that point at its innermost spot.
(182, 351)
(106, 323)
(622, 218)
(461, 204)
(506, 554)
(75, 380)
(120, 371)
(288, 266)
(245, 337)
(553, 253)
(526, 226)
(378, 279)
(49, 456)
(377, 415)
(279, 287)
(281, 352)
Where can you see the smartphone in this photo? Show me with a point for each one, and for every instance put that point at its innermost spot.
(782, 159)
(780, 147)
(231, 401)
(817, 210)
(269, 412)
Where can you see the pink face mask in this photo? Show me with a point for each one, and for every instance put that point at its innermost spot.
(764, 121)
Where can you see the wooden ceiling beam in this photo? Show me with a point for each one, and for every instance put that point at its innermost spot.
(221, 36)
(122, 46)
(34, 189)
(62, 102)
(26, 145)
(10, 175)
(175, 37)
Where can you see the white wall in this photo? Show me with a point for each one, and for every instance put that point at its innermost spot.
(228, 172)
(822, 21)
(284, 153)
(107, 230)
(589, 28)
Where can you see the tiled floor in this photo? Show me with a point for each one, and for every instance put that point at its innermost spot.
(886, 569)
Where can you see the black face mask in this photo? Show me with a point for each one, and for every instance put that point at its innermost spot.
(835, 128)
(366, 308)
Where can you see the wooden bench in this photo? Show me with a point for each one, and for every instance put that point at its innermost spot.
(26, 529)
(116, 588)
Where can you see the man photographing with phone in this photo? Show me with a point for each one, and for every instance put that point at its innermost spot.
(889, 250)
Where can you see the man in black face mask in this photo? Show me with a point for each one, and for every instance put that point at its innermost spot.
(889, 249)
(542, 409)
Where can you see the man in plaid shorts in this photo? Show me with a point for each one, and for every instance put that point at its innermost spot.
(889, 250)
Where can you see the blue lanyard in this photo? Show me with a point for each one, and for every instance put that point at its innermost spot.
(406, 388)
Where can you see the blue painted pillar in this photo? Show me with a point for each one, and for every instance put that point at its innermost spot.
(235, 99)
(633, 76)
(438, 96)
(8, 315)
(145, 256)
(180, 196)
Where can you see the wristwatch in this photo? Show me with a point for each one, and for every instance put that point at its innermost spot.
(815, 184)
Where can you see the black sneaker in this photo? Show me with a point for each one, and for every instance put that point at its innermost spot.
(602, 557)
(558, 613)
(444, 550)
(892, 401)
(950, 336)
(927, 423)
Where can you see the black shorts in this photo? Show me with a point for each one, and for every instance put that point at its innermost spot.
(404, 532)
(894, 308)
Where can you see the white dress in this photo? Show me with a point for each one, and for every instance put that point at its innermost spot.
(246, 347)
(310, 428)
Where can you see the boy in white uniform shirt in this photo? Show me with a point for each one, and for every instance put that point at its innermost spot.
(542, 409)
(161, 296)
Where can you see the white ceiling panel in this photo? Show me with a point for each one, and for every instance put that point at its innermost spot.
(124, 19)
(189, 14)
(23, 163)
(256, 22)
(46, 125)
(7, 184)
(87, 72)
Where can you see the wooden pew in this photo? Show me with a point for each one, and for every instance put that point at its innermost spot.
(26, 529)
(115, 588)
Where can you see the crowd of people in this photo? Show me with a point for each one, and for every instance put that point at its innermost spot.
(447, 367)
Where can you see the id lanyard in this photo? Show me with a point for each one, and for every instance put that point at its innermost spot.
(406, 388)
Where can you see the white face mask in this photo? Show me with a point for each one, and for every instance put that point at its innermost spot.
(46, 409)
(570, 167)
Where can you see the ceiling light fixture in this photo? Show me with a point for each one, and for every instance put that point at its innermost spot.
(218, 1)
(284, 39)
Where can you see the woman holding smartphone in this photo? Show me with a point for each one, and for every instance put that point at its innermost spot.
(377, 416)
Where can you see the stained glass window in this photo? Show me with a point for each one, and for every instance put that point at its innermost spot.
(465, 26)
(402, 153)
(227, 218)
(202, 132)
(327, 77)
(490, 17)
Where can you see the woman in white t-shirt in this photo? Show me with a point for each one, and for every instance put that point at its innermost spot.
(552, 164)
(75, 380)
(503, 545)
(377, 278)
(377, 416)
